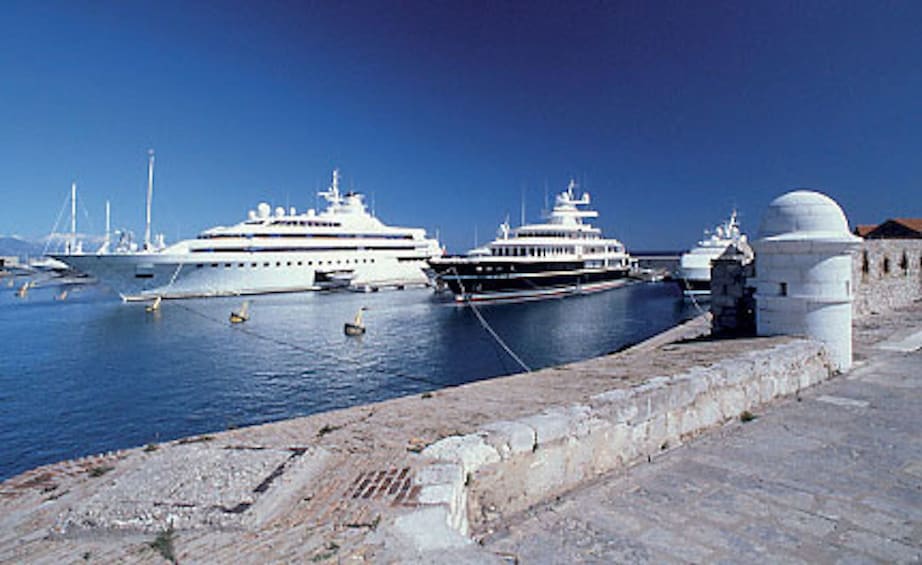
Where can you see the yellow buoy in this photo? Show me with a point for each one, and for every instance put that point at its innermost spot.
(241, 316)
(154, 306)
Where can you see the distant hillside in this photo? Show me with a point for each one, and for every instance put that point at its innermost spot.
(19, 247)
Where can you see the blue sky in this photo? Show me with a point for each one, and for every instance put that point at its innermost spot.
(446, 113)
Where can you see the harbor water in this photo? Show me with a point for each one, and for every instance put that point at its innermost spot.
(91, 374)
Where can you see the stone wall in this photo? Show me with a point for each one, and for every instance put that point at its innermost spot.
(886, 274)
(508, 466)
(732, 302)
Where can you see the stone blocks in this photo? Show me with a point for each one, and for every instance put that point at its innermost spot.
(508, 466)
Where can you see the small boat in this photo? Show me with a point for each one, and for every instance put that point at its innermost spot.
(242, 315)
(63, 295)
(154, 306)
(355, 327)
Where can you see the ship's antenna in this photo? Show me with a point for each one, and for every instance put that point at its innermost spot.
(150, 196)
(73, 219)
(546, 209)
(522, 222)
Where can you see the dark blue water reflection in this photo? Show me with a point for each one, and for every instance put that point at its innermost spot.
(91, 374)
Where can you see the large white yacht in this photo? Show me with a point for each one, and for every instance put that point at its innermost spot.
(271, 251)
(562, 256)
(694, 274)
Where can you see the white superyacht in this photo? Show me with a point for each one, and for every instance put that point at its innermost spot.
(694, 274)
(271, 251)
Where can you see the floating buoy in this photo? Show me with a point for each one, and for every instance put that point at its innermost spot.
(242, 315)
(355, 327)
(153, 306)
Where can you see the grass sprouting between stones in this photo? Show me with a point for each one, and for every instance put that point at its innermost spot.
(163, 544)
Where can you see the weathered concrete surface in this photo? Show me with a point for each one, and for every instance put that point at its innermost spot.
(834, 476)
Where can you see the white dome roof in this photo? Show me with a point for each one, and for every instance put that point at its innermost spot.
(804, 214)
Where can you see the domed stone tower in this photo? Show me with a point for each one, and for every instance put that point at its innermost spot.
(804, 272)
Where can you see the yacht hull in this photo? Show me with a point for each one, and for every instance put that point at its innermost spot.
(145, 276)
(471, 281)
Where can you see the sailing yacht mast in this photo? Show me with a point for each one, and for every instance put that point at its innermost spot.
(150, 195)
(72, 245)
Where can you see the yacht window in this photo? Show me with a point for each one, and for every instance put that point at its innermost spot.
(310, 263)
(252, 264)
(240, 265)
(199, 266)
(300, 263)
(214, 265)
(265, 264)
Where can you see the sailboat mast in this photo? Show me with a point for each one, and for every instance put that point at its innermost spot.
(108, 224)
(73, 218)
(150, 196)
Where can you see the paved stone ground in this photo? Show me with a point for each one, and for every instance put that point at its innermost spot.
(834, 476)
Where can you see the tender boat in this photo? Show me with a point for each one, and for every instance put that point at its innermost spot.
(562, 256)
(694, 273)
(271, 251)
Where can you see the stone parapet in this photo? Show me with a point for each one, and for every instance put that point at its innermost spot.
(507, 466)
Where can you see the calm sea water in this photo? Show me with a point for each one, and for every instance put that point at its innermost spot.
(91, 374)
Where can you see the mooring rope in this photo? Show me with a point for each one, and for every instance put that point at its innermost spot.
(487, 326)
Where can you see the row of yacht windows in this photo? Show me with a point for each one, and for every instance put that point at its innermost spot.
(289, 263)
(306, 235)
(565, 234)
(548, 251)
(304, 223)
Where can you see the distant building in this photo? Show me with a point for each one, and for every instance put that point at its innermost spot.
(897, 228)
